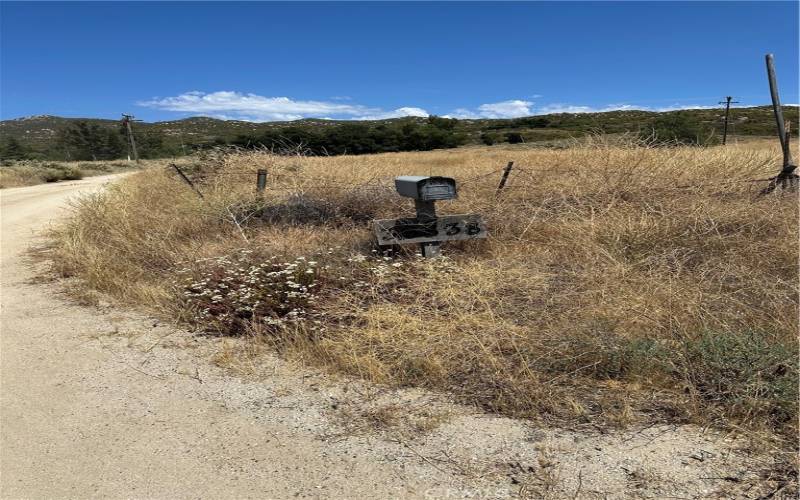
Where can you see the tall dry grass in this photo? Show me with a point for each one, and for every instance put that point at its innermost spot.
(32, 172)
(619, 282)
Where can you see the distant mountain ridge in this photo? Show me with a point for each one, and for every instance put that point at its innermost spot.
(38, 132)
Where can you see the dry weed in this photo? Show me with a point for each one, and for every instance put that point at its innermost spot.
(31, 172)
(619, 282)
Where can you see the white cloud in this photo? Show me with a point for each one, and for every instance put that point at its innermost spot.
(517, 108)
(462, 113)
(678, 107)
(513, 108)
(506, 109)
(397, 113)
(230, 105)
(256, 108)
(569, 108)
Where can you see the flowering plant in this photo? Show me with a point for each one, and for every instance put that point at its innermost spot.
(229, 292)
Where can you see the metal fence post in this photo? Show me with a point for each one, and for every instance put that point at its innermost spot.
(503, 180)
(261, 180)
(187, 180)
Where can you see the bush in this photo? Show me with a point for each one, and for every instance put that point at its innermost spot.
(489, 138)
(749, 373)
(53, 172)
(680, 128)
(514, 138)
(228, 293)
(72, 174)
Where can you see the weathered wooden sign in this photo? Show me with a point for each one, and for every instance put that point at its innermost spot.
(428, 230)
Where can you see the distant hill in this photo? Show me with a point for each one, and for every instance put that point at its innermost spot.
(38, 134)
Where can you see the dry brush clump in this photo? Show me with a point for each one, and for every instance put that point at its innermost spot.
(229, 293)
(32, 172)
(619, 281)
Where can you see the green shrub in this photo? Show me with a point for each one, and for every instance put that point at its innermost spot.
(489, 138)
(514, 138)
(745, 376)
(680, 128)
(749, 373)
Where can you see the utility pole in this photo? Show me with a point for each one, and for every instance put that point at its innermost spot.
(727, 104)
(126, 120)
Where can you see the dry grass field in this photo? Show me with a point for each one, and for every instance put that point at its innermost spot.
(620, 283)
(30, 172)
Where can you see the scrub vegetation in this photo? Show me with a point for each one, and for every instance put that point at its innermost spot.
(57, 138)
(29, 172)
(620, 283)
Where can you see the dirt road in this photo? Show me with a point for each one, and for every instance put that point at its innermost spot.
(97, 402)
(79, 419)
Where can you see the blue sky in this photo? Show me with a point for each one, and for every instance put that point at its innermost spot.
(275, 61)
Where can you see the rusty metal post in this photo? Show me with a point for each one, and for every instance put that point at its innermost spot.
(261, 180)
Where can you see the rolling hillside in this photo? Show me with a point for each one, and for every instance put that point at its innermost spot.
(38, 134)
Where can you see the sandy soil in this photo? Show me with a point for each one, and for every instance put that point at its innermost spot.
(102, 402)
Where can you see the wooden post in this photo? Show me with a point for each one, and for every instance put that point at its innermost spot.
(778, 110)
(727, 104)
(786, 177)
(131, 140)
(503, 179)
(790, 177)
(787, 151)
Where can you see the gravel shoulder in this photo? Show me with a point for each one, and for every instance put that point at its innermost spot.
(101, 402)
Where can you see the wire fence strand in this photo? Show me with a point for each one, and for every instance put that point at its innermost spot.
(521, 177)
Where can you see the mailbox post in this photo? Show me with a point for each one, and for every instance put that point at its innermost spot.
(426, 191)
(426, 214)
(427, 228)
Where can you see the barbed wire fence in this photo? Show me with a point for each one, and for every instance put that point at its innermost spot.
(509, 179)
(302, 202)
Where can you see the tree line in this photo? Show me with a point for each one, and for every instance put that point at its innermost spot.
(87, 141)
(361, 138)
(84, 141)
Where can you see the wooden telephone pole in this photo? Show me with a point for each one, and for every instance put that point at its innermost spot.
(727, 102)
(126, 120)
